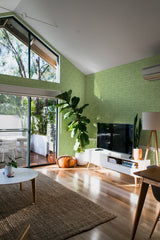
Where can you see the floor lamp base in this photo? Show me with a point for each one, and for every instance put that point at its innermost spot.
(156, 145)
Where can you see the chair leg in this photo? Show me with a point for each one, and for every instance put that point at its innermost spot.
(155, 223)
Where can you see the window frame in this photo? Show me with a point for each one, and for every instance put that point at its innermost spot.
(37, 38)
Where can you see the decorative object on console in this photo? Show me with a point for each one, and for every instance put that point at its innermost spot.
(151, 121)
(66, 161)
(136, 151)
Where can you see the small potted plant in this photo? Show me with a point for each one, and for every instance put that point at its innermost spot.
(9, 164)
(78, 124)
(137, 128)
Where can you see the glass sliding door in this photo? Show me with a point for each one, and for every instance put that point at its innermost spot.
(43, 131)
(13, 128)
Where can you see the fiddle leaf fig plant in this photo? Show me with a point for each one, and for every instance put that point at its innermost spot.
(78, 124)
(137, 128)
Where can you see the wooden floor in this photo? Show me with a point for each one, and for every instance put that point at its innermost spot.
(116, 193)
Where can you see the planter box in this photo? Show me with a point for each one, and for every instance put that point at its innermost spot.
(39, 144)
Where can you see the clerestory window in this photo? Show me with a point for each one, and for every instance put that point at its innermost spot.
(23, 54)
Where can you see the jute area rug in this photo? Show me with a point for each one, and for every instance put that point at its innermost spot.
(58, 214)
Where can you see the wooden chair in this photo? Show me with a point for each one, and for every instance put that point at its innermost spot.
(156, 194)
(9, 147)
(24, 233)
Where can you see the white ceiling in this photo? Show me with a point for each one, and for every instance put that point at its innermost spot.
(95, 34)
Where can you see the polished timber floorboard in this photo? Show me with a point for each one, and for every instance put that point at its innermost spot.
(117, 194)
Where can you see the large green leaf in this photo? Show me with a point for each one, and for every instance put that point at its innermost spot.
(74, 131)
(82, 127)
(81, 109)
(137, 131)
(75, 101)
(59, 104)
(68, 114)
(66, 96)
(84, 139)
(84, 119)
(72, 125)
(64, 108)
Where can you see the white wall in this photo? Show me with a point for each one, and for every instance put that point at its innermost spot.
(9, 122)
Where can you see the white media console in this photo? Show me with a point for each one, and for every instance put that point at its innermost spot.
(115, 161)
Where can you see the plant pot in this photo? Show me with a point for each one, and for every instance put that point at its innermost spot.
(137, 154)
(51, 158)
(8, 170)
(81, 158)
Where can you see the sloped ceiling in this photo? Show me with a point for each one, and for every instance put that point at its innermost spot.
(94, 34)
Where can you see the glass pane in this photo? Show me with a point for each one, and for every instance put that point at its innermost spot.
(43, 62)
(43, 131)
(13, 55)
(13, 128)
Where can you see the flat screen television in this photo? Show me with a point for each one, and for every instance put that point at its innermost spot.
(115, 137)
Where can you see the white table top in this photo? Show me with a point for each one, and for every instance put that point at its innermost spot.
(20, 175)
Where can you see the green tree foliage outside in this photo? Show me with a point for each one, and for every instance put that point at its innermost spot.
(14, 61)
(46, 114)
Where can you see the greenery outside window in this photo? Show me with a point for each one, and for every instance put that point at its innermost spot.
(24, 55)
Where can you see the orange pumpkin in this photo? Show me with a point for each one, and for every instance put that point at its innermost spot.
(66, 161)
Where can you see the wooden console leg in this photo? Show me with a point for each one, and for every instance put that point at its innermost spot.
(135, 181)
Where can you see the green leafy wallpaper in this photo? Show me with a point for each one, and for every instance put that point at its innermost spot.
(117, 94)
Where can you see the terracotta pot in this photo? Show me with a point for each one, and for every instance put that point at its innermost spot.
(51, 158)
(137, 154)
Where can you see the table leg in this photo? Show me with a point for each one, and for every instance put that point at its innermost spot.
(21, 186)
(34, 189)
(143, 192)
(135, 180)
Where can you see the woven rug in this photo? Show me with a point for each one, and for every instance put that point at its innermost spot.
(58, 214)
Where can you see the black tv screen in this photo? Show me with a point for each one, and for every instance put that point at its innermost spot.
(115, 137)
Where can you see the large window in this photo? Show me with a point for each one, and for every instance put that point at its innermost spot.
(30, 122)
(23, 54)
(16, 133)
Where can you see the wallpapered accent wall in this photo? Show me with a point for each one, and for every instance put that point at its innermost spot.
(117, 94)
